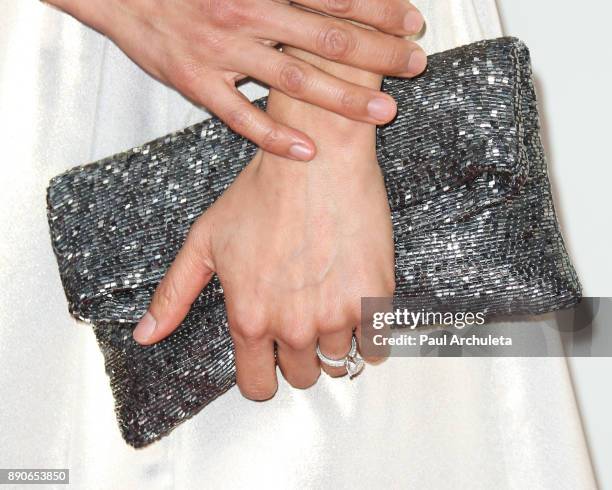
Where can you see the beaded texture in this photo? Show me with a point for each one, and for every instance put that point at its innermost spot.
(472, 211)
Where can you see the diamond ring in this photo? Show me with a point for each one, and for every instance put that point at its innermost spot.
(352, 362)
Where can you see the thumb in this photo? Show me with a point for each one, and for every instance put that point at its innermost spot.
(187, 276)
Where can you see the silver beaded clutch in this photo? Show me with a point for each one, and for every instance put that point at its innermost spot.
(471, 204)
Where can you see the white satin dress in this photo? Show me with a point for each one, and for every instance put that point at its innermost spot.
(68, 96)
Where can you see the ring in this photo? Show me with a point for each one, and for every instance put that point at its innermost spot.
(352, 362)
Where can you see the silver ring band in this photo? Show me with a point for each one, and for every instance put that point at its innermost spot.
(352, 362)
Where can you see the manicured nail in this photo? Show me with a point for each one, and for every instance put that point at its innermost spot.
(417, 62)
(300, 151)
(381, 109)
(413, 22)
(145, 328)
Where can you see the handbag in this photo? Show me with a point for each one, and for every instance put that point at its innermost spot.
(473, 217)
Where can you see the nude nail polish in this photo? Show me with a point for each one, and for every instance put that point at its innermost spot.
(145, 328)
(300, 151)
(380, 109)
(413, 22)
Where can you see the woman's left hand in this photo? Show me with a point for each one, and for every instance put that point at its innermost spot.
(296, 247)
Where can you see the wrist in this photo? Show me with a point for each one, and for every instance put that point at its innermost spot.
(323, 180)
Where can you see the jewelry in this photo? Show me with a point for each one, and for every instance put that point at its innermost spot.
(352, 361)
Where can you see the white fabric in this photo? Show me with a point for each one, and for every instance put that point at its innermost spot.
(68, 96)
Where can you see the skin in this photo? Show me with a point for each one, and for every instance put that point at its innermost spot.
(296, 247)
(204, 47)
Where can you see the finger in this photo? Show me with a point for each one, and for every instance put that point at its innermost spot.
(244, 118)
(335, 345)
(303, 81)
(300, 366)
(391, 16)
(255, 366)
(187, 276)
(372, 353)
(340, 41)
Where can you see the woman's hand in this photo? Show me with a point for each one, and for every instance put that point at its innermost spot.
(203, 47)
(296, 248)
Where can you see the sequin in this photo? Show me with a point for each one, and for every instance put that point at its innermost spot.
(472, 211)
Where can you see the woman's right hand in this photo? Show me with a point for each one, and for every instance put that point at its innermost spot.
(203, 47)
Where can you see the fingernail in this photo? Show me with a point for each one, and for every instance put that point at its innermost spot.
(413, 22)
(417, 62)
(381, 109)
(145, 328)
(300, 151)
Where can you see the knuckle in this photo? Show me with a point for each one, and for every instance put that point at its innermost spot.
(298, 337)
(227, 14)
(185, 77)
(271, 139)
(248, 321)
(292, 78)
(239, 120)
(333, 327)
(340, 6)
(387, 14)
(384, 286)
(335, 42)
(395, 58)
(348, 101)
(167, 295)
(196, 250)
(389, 286)
(196, 242)
(331, 321)
(250, 328)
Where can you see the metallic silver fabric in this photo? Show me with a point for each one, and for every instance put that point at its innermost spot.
(473, 218)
